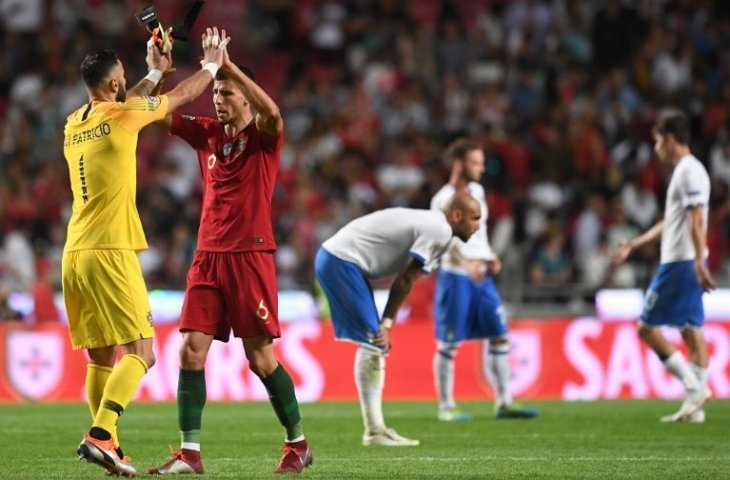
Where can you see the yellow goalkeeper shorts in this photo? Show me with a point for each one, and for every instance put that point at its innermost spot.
(106, 298)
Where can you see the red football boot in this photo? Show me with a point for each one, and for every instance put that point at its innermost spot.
(182, 461)
(296, 457)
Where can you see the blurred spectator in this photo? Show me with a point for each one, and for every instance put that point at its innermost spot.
(720, 160)
(639, 203)
(452, 49)
(615, 32)
(43, 293)
(7, 313)
(327, 27)
(619, 103)
(287, 264)
(19, 259)
(673, 65)
(490, 104)
(21, 16)
(588, 230)
(178, 257)
(718, 231)
(551, 265)
(358, 183)
(553, 162)
(587, 147)
(455, 107)
(597, 268)
(619, 228)
(398, 177)
(179, 172)
(545, 198)
(528, 24)
(633, 152)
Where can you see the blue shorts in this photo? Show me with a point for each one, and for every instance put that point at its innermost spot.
(350, 296)
(674, 297)
(466, 310)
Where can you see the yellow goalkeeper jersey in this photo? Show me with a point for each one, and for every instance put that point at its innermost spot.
(100, 148)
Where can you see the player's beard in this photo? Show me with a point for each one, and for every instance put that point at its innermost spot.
(121, 94)
(463, 236)
(471, 177)
(225, 118)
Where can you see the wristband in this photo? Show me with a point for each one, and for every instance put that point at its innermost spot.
(387, 322)
(154, 76)
(212, 68)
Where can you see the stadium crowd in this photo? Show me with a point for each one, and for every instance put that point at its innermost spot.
(561, 93)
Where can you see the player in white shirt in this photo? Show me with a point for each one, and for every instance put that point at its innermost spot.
(466, 303)
(674, 297)
(396, 241)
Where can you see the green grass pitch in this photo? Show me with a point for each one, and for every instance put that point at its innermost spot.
(582, 440)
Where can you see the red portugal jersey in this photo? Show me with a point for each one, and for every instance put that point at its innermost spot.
(239, 175)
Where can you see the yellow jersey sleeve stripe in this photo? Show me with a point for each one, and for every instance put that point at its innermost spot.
(138, 112)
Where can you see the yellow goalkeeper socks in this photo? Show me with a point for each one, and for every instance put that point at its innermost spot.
(96, 378)
(120, 388)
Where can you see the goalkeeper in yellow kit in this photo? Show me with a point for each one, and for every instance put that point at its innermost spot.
(103, 288)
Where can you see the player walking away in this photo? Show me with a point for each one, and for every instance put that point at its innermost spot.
(400, 241)
(466, 304)
(674, 297)
(103, 288)
(231, 284)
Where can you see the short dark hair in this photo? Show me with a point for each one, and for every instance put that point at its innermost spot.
(676, 124)
(458, 149)
(96, 66)
(221, 75)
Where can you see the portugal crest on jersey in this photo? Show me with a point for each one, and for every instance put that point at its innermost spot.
(227, 149)
(241, 145)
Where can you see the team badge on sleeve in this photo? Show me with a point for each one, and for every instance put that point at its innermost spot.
(152, 102)
(148, 104)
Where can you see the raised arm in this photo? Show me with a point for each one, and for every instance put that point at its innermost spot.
(157, 65)
(214, 47)
(399, 290)
(268, 116)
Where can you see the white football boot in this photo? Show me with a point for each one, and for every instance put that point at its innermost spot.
(388, 438)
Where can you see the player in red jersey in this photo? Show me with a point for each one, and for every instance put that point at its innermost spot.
(231, 284)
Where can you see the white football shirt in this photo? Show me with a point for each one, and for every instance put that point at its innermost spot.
(477, 248)
(689, 187)
(381, 243)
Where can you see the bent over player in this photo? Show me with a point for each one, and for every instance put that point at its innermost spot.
(402, 241)
(231, 284)
(103, 288)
